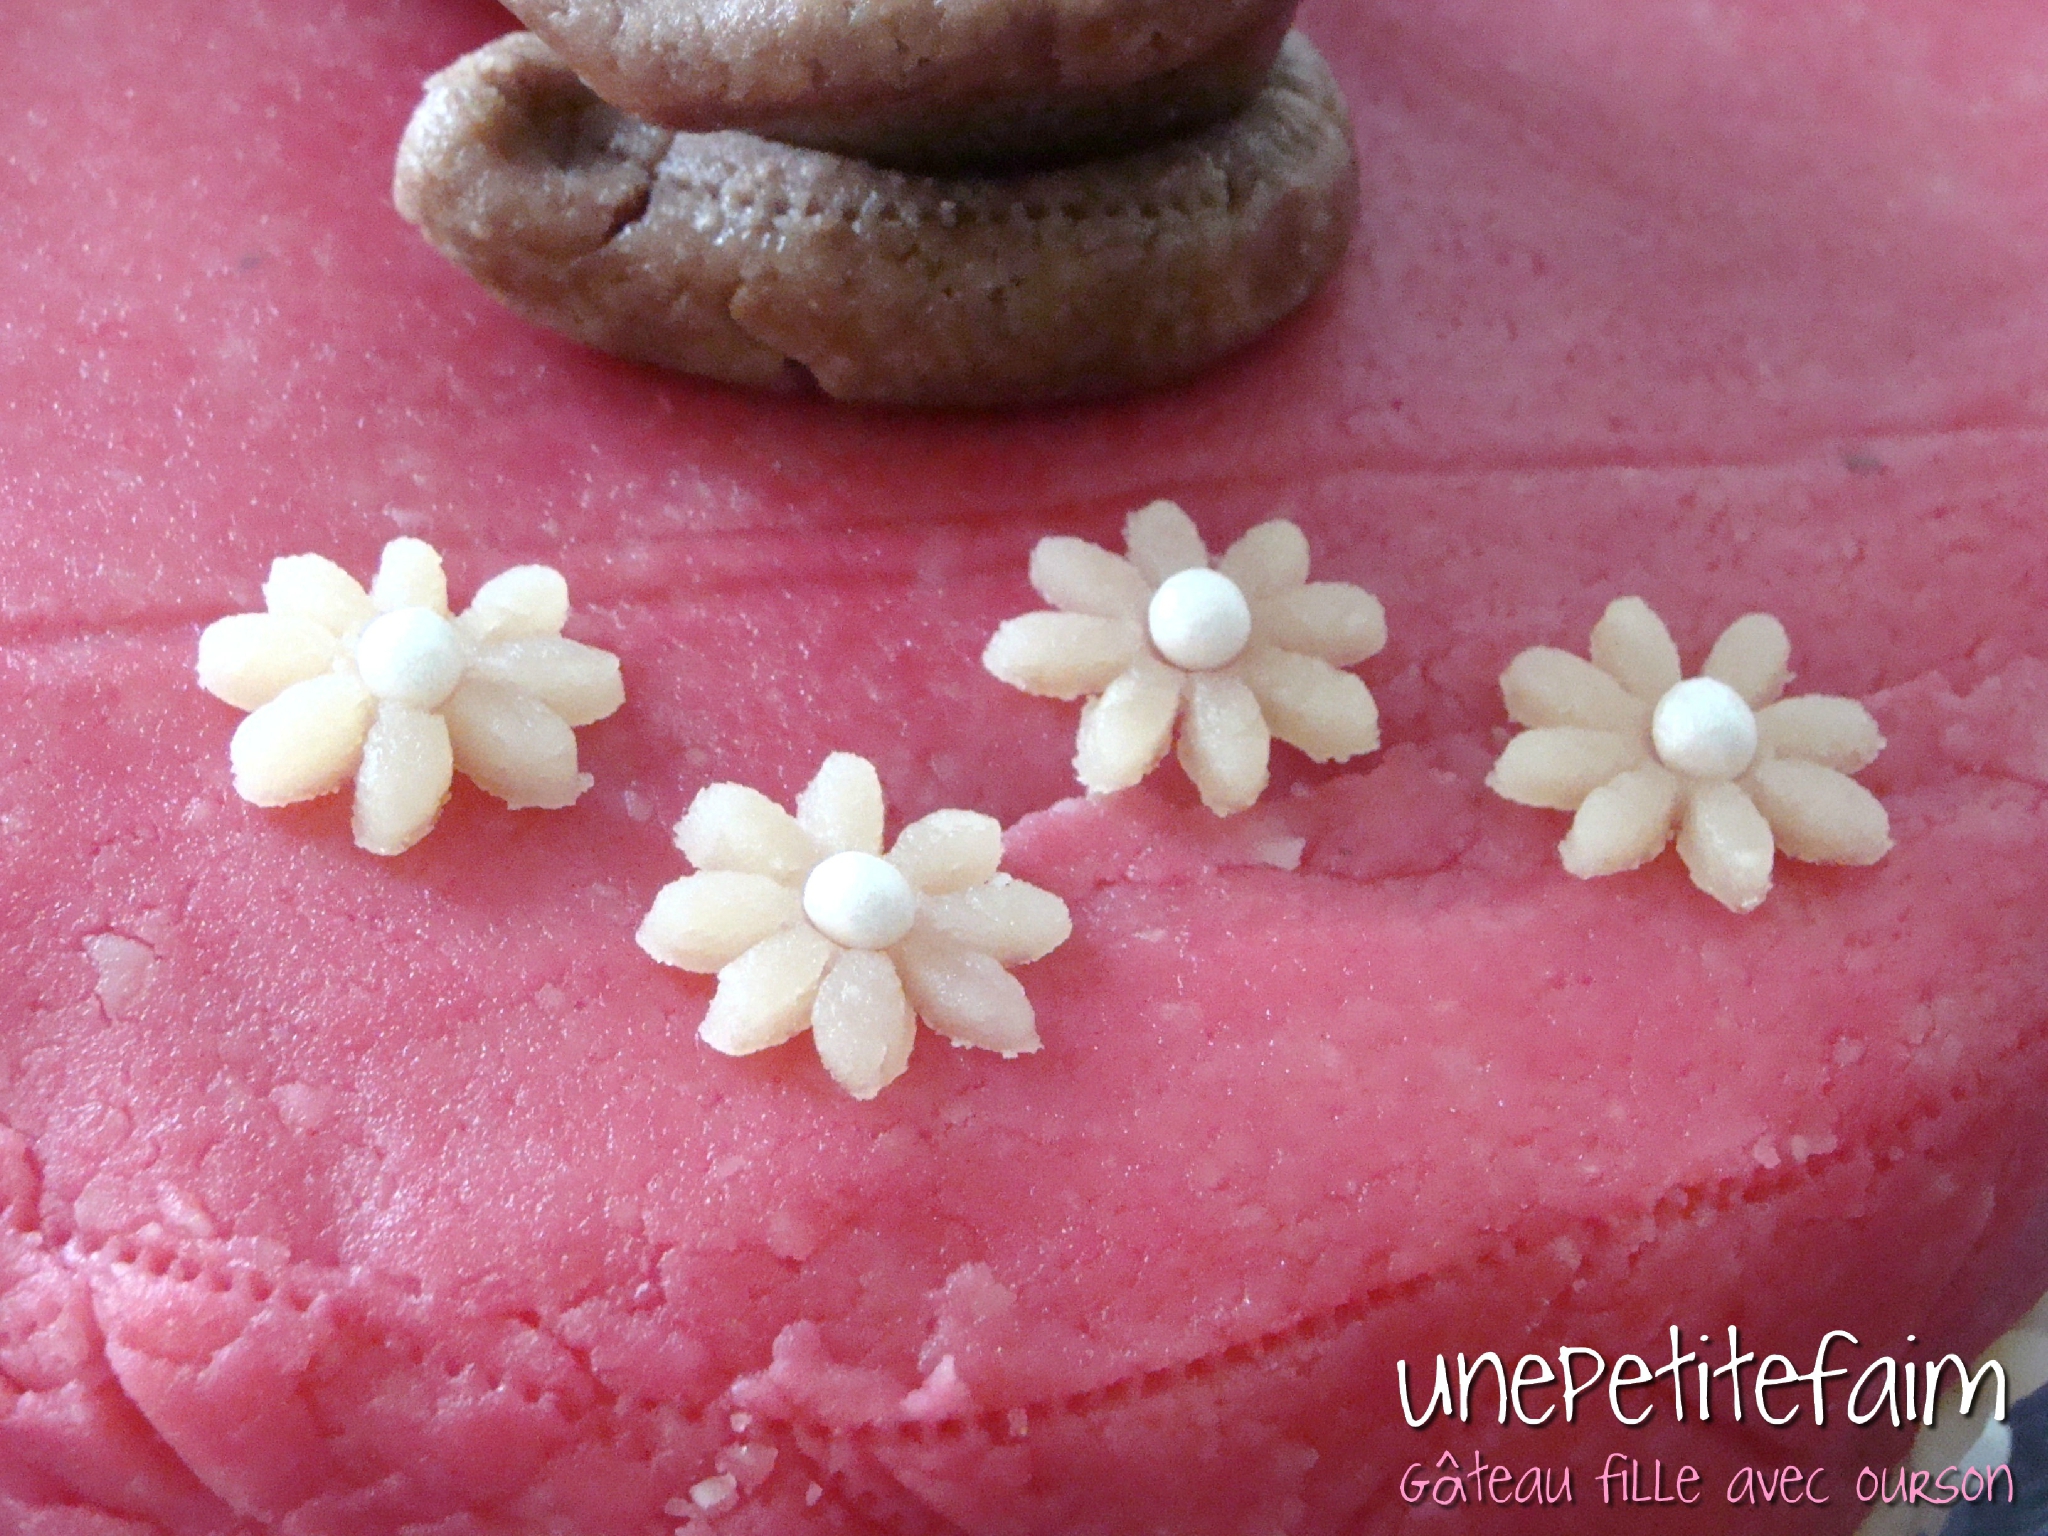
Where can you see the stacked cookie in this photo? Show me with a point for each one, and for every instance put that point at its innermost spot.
(905, 202)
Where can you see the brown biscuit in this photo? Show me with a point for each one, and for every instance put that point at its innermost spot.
(740, 259)
(959, 85)
(1060, 126)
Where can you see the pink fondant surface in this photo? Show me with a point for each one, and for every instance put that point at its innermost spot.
(349, 1197)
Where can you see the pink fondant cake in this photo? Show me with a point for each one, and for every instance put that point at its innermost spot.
(355, 1197)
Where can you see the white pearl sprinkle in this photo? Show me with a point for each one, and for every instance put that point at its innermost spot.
(859, 901)
(410, 656)
(1199, 620)
(1702, 728)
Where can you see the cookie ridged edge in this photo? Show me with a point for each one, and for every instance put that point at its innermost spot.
(741, 259)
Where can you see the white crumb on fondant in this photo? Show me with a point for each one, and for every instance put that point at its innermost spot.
(941, 1395)
(1233, 654)
(183, 1212)
(715, 1491)
(123, 968)
(302, 1107)
(1282, 852)
(750, 1464)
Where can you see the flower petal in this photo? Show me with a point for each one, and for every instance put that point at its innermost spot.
(1309, 704)
(1631, 645)
(730, 826)
(304, 743)
(578, 682)
(966, 996)
(525, 601)
(513, 746)
(407, 767)
(1836, 733)
(1334, 620)
(704, 922)
(1061, 655)
(1224, 743)
(1751, 657)
(1623, 823)
(862, 1023)
(314, 588)
(1270, 558)
(409, 575)
(1079, 577)
(248, 659)
(1727, 846)
(1546, 686)
(1556, 767)
(1819, 815)
(1127, 728)
(949, 851)
(1162, 540)
(1010, 920)
(764, 997)
(842, 806)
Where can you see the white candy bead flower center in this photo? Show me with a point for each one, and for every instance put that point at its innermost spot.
(1702, 728)
(859, 901)
(412, 656)
(1199, 620)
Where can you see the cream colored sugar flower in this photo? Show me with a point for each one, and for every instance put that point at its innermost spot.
(1639, 752)
(809, 925)
(385, 688)
(1236, 654)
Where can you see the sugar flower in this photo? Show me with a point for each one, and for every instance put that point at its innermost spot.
(1638, 752)
(385, 688)
(809, 925)
(1236, 654)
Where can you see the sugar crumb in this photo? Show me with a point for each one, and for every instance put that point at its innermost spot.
(715, 1491)
(749, 1464)
(302, 1107)
(1281, 852)
(124, 969)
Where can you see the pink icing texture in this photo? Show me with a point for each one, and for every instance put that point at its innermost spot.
(357, 1196)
